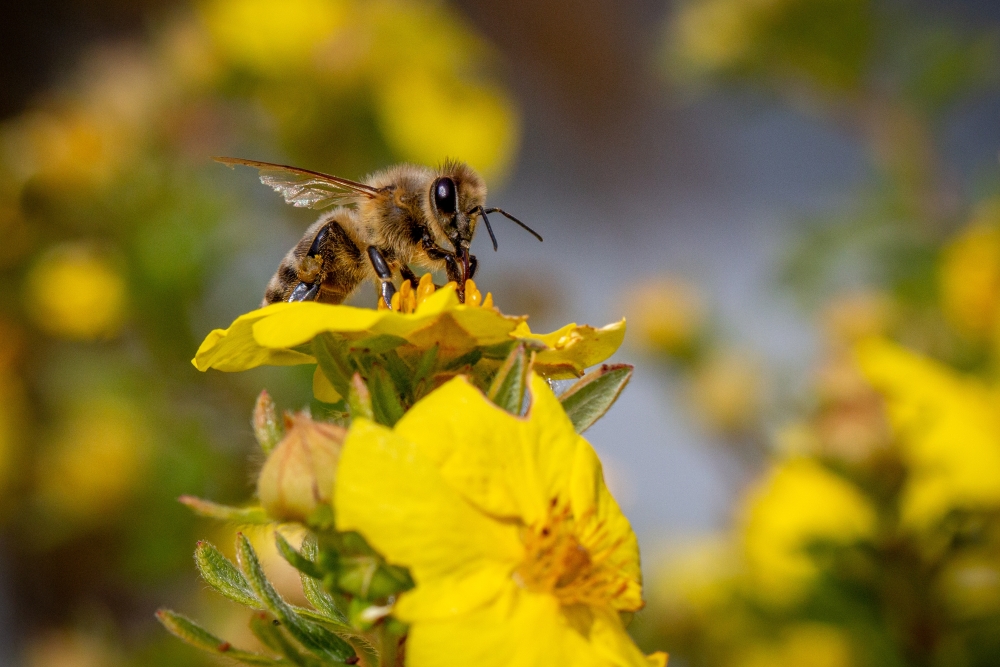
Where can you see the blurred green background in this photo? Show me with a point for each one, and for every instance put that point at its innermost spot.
(756, 184)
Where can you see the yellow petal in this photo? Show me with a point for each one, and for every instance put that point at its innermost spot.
(291, 327)
(322, 389)
(234, 349)
(516, 465)
(610, 641)
(573, 348)
(397, 499)
(519, 629)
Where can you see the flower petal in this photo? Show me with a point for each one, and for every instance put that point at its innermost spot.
(234, 349)
(509, 466)
(519, 628)
(573, 348)
(610, 640)
(400, 503)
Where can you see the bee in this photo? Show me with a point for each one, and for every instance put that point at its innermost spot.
(400, 217)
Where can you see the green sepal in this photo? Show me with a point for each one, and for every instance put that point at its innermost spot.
(254, 515)
(331, 355)
(312, 587)
(400, 373)
(386, 404)
(266, 426)
(376, 344)
(220, 573)
(191, 633)
(295, 559)
(507, 388)
(470, 358)
(313, 636)
(359, 399)
(425, 365)
(593, 394)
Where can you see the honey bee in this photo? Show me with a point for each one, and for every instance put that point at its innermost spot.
(398, 217)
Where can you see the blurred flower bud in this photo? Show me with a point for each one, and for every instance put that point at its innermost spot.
(265, 423)
(969, 275)
(852, 316)
(298, 476)
(727, 390)
(668, 315)
(74, 293)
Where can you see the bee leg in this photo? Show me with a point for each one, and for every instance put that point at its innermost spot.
(451, 265)
(384, 274)
(304, 292)
(408, 274)
(473, 265)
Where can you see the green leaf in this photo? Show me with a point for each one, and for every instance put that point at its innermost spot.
(470, 358)
(270, 634)
(593, 394)
(313, 588)
(331, 355)
(240, 515)
(266, 427)
(386, 404)
(376, 344)
(507, 388)
(191, 633)
(224, 577)
(295, 559)
(359, 399)
(425, 365)
(400, 373)
(311, 635)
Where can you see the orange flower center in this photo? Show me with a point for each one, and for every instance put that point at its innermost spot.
(407, 298)
(557, 562)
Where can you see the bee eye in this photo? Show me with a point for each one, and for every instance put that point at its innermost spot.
(444, 195)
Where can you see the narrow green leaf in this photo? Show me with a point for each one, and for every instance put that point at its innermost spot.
(507, 388)
(271, 635)
(191, 633)
(590, 397)
(313, 587)
(470, 358)
(426, 364)
(386, 404)
(240, 515)
(224, 577)
(266, 427)
(312, 636)
(359, 399)
(331, 355)
(295, 559)
(376, 344)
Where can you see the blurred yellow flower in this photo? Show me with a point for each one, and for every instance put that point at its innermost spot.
(798, 503)
(73, 292)
(667, 314)
(716, 34)
(696, 579)
(969, 275)
(96, 462)
(948, 428)
(970, 584)
(71, 648)
(270, 335)
(727, 390)
(270, 37)
(800, 645)
(519, 553)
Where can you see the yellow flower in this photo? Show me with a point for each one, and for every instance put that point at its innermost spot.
(798, 503)
(728, 390)
(969, 275)
(801, 645)
(949, 432)
(270, 335)
(519, 553)
(669, 313)
(272, 37)
(73, 293)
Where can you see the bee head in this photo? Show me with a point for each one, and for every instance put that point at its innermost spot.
(454, 194)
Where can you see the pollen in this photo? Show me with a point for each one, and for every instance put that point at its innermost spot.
(558, 562)
(407, 298)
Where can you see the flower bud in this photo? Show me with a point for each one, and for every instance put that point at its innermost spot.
(298, 476)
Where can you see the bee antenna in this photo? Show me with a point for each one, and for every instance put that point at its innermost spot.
(489, 228)
(510, 217)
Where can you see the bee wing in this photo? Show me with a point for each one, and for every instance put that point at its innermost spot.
(302, 187)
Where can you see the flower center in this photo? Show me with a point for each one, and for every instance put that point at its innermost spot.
(558, 563)
(407, 298)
